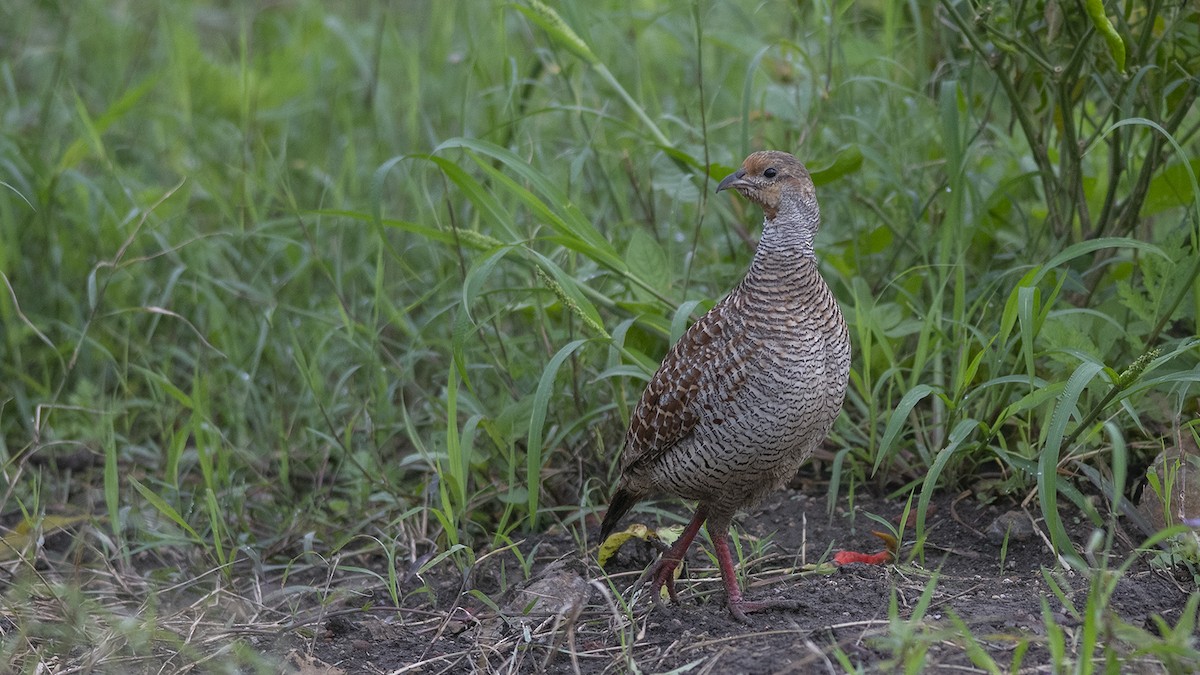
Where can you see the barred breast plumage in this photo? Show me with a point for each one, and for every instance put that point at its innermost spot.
(751, 388)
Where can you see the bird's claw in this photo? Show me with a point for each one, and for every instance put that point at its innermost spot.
(660, 575)
(739, 607)
(664, 576)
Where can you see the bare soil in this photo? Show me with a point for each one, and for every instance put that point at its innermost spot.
(579, 623)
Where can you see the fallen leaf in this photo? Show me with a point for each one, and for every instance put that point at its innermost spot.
(660, 538)
(22, 536)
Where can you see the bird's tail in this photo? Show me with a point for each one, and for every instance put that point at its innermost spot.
(622, 500)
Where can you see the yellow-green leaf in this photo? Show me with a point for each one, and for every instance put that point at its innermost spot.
(610, 546)
(1116, 46)
(22, 536)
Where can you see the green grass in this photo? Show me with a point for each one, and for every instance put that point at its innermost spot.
(290, 283)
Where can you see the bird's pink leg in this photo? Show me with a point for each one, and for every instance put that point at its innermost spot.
(664, 571)
(729, 575)
(738, 606)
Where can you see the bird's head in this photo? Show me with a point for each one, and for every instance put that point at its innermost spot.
(769, 178)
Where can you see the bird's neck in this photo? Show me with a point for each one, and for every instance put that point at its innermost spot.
(785, 250)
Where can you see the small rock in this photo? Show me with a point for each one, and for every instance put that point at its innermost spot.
(1176, 498)
(560, 588)
(298, 663)
(1011, 525)
(340, 626)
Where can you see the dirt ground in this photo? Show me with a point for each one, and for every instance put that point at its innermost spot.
(579, 623)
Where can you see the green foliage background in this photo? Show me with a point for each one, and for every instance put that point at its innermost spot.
(281, 277)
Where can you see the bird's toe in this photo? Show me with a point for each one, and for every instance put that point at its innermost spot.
(739, 607)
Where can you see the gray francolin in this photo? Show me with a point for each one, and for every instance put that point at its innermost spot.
(750, 390)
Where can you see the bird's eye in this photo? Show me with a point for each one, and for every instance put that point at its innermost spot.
(770, 173)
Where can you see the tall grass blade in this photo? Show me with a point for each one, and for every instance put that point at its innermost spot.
(958, 435)
(1048, 458)
(897, 420)
(537, 422)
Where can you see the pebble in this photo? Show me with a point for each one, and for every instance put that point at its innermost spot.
(1014, 525)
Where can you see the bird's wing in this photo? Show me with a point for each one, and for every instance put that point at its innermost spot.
(710, 355)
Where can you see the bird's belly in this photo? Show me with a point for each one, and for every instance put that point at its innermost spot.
(741, 450)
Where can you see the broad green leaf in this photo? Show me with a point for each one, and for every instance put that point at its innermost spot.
(845, 162)
(647, 260)
(1171, 188)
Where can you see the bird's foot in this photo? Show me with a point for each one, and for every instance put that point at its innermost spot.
(740, 607)
(663, 576)
(660, 575)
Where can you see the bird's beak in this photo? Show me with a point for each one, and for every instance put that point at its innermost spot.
(733, 180)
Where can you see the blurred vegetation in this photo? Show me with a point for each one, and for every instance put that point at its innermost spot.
(301, 278)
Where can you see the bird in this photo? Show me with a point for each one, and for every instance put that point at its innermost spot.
(749, 390)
